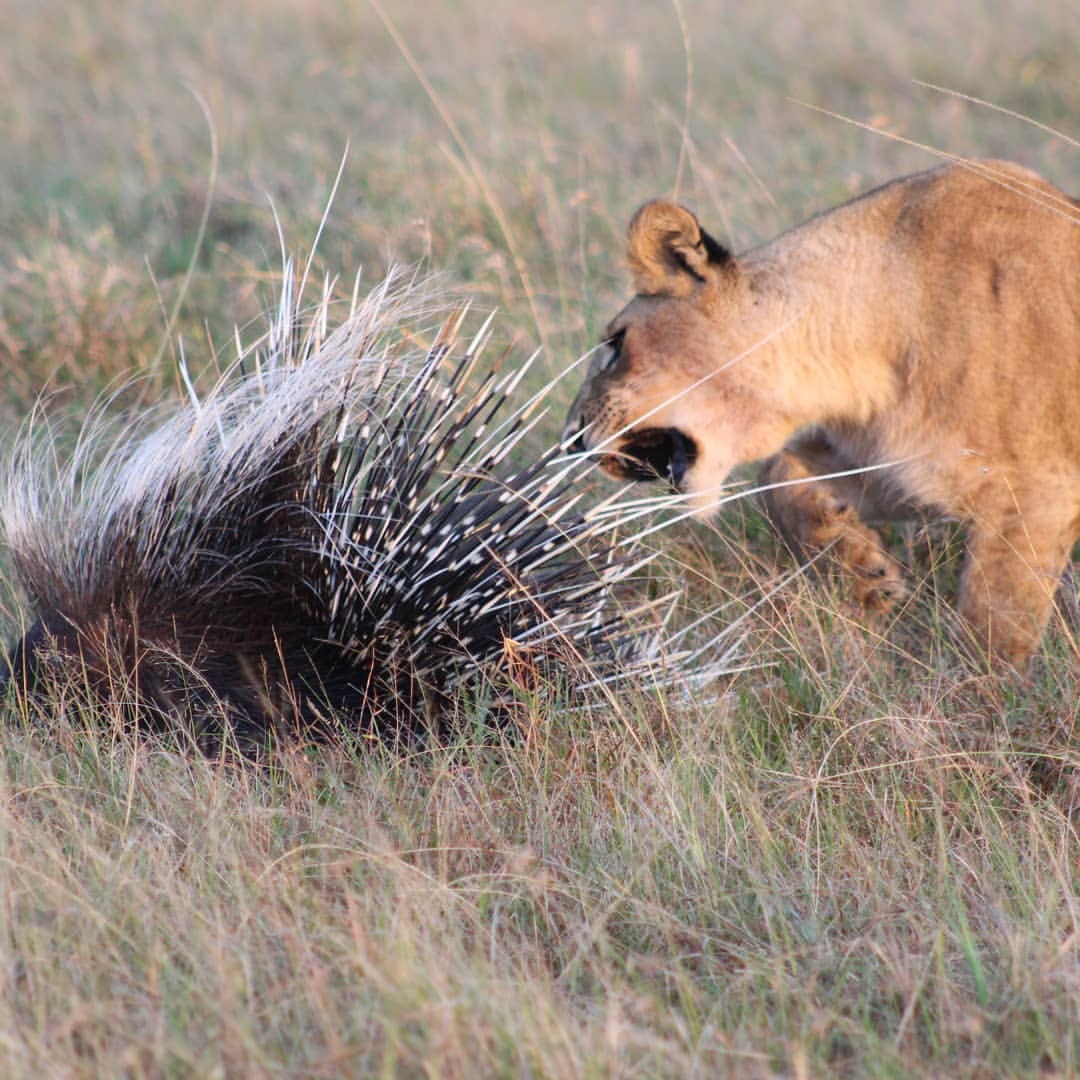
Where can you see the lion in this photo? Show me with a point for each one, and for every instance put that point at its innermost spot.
(915, 351)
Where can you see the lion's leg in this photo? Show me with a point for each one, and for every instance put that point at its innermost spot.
(821, 515)
(1011, 573)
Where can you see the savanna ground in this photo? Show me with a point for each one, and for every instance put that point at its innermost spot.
(858, 857)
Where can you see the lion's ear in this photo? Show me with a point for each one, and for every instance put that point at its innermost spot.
(669, 252)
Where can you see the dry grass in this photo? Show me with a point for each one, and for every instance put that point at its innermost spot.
(860, 859)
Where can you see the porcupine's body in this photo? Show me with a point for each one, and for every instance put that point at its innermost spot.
(324, 534)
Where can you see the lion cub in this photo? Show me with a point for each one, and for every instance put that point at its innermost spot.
(927, 333)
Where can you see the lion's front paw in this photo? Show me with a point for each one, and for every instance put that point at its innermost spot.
(858, 549)
(879, 580)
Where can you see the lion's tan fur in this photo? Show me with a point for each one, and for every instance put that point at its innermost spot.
(933, 324)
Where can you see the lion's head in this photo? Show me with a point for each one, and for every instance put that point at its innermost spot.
(674, 392)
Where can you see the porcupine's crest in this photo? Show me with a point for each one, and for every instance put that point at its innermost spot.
(334, 529)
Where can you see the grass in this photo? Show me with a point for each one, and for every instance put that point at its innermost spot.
(860, 859)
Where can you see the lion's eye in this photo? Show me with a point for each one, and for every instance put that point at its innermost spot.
(614, 344)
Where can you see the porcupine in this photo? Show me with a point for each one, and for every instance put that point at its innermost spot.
(323, 534)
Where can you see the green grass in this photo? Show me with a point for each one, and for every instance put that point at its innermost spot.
(859, 858)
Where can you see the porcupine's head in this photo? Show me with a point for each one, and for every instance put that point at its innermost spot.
(335, 529)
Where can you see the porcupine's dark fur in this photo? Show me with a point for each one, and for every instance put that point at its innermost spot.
(324, 534)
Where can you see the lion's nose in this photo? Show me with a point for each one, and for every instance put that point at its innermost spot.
(573, 438)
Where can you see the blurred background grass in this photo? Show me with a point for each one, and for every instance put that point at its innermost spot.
(569, 115)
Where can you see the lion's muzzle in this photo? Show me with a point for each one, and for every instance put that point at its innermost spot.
(649, 454)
